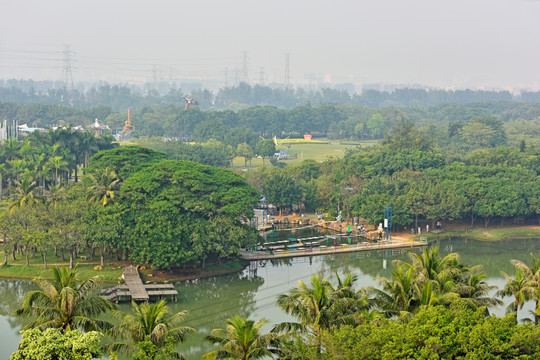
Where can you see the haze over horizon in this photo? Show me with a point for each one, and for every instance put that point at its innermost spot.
(491, 44)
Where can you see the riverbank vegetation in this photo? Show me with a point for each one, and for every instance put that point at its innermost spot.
(131, 204)
(430, 307)
(127, 205)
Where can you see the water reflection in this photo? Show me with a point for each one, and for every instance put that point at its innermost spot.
(11, 293)
(253, 293)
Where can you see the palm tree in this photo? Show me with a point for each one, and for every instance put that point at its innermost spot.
(23, 193)
(430, 264)
(533, 273)
(398, 294)
(54, 194)
(475, 291)
(58, 164)
(241, 339)
(520, 287)
(104, 187)
(309, 304)
(427, 294)
(11, 149)
(149, 320)
(65, 303)
(348, 306)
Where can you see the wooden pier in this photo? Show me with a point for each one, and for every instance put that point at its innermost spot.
(135, 290)
(328, 250)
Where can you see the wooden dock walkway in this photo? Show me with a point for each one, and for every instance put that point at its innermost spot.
(324, 250)
(133, 281)
(135, 290)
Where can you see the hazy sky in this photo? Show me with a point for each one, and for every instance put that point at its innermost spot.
(457, 43)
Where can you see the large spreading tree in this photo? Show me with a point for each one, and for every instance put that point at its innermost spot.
(181, 211)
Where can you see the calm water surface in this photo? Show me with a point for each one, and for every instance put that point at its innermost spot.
(253, 293)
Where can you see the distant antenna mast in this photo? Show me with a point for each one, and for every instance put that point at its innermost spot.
(245, 67)
(67, 75)
(287, 77)
(226, 77)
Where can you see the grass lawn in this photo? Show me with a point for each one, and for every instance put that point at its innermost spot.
(111, 272)
(317, 152)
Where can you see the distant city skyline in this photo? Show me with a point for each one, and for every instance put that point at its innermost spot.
(491, 44)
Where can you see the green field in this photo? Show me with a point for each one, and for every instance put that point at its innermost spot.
(317, 152)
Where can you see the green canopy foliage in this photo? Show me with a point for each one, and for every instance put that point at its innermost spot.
(179, 211)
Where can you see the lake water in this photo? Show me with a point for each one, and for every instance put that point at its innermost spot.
(252, 293)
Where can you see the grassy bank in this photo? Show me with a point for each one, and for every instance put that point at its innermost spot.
(486, 234)
(112, 270)
(109, 273)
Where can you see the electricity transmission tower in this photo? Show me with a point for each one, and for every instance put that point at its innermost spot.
(67, 75)
(245, 67)
(287, 78)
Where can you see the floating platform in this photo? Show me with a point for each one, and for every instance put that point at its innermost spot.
(326, 250)
(135, 290)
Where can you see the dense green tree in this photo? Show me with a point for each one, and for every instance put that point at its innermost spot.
(434, 333)
(245, 151)
(125, 160)
(281, 190)
(176, 204)
(265, 148)
(53, 344)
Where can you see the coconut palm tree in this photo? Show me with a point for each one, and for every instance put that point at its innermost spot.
(149, 320)
(104, 187)
(475, 291)
(428, 294)
(11, 149)
(321, 305)
(311, 305)
(23, 193)
(349, 306)
(532, 272)
(58, 164)
(242, 339)
(520, 287)
(65, 303)
(397, 294)
(430, 264)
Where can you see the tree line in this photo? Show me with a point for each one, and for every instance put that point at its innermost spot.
(415, 177)
(432, 306)
(475, 124)
(122, 96)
